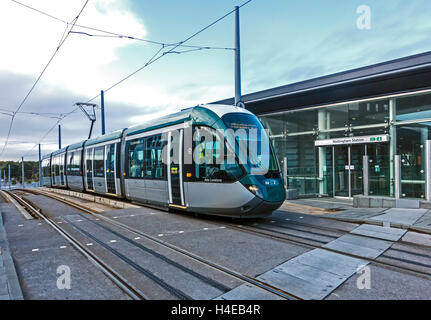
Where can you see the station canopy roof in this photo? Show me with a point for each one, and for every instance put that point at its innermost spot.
(406, 74)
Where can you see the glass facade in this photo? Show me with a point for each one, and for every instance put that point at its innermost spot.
(397, 125)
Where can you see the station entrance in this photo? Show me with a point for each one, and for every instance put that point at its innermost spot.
(341, 167)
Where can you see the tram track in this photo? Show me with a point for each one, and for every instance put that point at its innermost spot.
(118, 279)
(303, 241)
(293, 239)
(232, 273)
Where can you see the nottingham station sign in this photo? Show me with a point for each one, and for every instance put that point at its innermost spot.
(352, 140)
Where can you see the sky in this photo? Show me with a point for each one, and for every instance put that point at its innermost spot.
(282, 42)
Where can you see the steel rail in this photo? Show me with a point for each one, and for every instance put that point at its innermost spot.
(261, 232)
(122, 283)
(276, 291)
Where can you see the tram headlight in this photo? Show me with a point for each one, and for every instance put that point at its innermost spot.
(255, 190)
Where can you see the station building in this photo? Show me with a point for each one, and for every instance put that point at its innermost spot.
(358, 132)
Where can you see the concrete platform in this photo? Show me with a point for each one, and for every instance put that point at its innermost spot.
(396, 216)
(361, 201)
(312, 275)
(9, 284)
(386, 284)
(384, 233)
(369, 248)
(38, 251)
(403, 218)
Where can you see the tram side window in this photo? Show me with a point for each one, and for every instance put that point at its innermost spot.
(99, 170)
(110, 158)
(76, 166)
(135, 158)
(57, 166)
(45, 168)
(74, 163)
(52, 166)
(88, 161)
(154, 167)
(213, 163)
(69, 160)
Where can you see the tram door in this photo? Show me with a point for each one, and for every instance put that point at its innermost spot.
(89, 168)
(110, 168)
(175, 168)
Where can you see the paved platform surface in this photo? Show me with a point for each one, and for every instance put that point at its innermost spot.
(410, 219)
(317, 273)
(9, 284)
(342, 210)
(38, 251)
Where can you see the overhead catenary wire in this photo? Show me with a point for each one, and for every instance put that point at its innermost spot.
(153, 59)
(110, 34)
(50, 130)
(64, 38)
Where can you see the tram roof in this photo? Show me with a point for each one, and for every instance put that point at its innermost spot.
(202, 114)
(105, 138)
(60, 151)
(76, 145)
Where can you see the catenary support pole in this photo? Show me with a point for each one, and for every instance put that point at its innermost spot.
(59, 136)
(102, 105)
(22, 172)
(238, 98)
(40, 167)
(9, 181)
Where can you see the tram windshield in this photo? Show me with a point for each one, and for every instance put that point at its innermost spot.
(252, 144)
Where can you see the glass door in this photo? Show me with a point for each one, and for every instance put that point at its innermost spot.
(348, 170)
(356, 169)
(341, 171)
(175, 170)
(110, 169)
(378, 168)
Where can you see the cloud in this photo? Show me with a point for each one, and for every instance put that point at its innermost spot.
(29, 129)
(28, 40)
(81, 68)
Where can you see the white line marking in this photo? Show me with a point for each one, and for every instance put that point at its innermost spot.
(132, 215)
(63, 247)
(20, 225)
(205, 228)
(287, 219)
(137, 238)
(112, 241)
(34, 250)
(89, 244)
(160, 235)
(180, 231)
